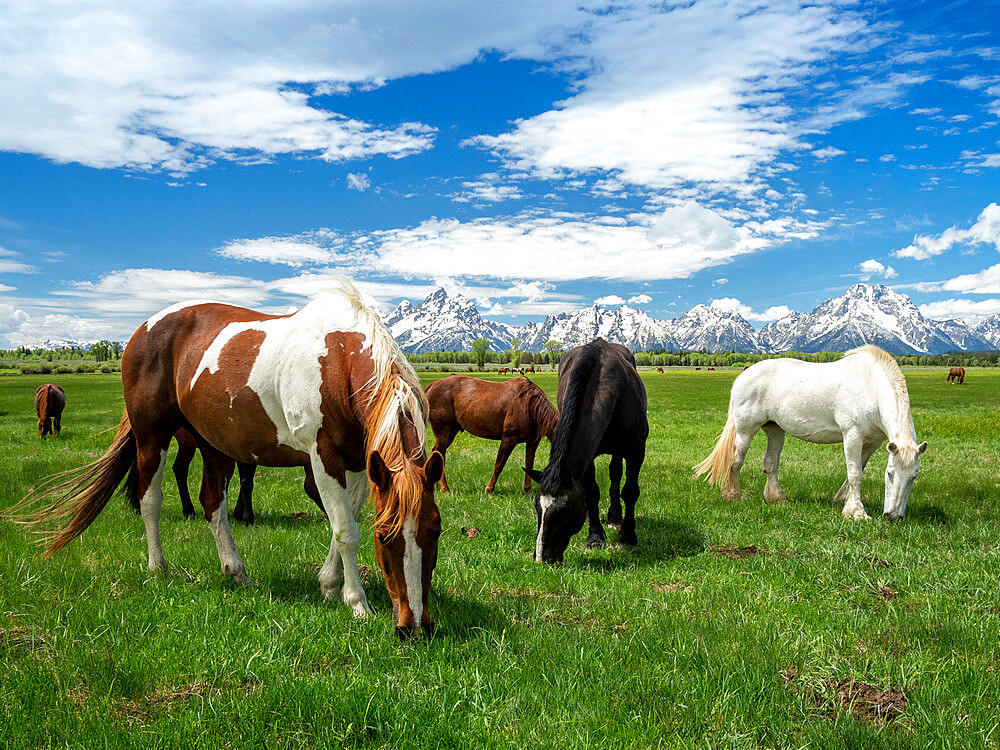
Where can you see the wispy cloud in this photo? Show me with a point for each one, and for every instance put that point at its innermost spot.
(986, 230)
(731, 304)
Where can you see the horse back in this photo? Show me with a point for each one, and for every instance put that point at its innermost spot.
(483, 408)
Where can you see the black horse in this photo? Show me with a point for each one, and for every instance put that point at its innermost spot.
(602, 406)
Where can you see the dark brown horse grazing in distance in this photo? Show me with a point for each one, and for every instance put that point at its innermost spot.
(49, 404)
(956, 375)
(513, 411)
(326, 388)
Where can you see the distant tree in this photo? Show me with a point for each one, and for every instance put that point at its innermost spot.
(553, 348)
(515, 352)
(480, 349)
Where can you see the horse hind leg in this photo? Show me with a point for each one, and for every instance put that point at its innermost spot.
(151, 459)
(741, 445)
(214, 490)
(243, 512)
(772, 455)
(182, 464)
(442, 440)
(595, 532)
(630, 494)
(614, 492)
(507, 445)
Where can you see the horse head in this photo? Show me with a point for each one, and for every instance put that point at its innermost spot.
(407, 527)
(900, 471)
(561, 510)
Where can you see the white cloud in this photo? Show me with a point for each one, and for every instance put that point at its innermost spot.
(153, 85)
(312, 248)
(10, 264)
(872, 267)
(721, 281)
(680, 93)
(487, 191)
(640, 299)
(986, 230)
(986, 281)
(827, 152)
(11, 318)
(359, 182)
(731, 304)
(887, 157)
(971, 312)
(609, 300)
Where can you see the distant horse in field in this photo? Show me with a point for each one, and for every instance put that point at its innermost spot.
(503, 371)
(50, 400)
(659, 369)
(860, 400)
(956, 375)
(602, 409)
(326, 388)
(513, 411)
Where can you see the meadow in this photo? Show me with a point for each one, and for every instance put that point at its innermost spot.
(733, 624)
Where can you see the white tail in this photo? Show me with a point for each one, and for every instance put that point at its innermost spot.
(720, 460)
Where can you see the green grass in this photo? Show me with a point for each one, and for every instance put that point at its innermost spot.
(672, 644)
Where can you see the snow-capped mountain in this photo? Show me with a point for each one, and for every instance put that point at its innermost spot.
(868, 314)
(624, 325)
(989, 330)
(53, 344)
(444, 323)
(864, 314)
(715, 330)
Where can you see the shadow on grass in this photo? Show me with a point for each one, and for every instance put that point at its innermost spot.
(465, 618)
(297, 520)
(659, 539)
(932, 514)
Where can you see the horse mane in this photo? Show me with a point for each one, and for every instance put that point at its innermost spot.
(546, 416)
(892, 371)
(587, 361)
(393, 392)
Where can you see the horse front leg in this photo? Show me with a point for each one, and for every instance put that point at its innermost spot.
(341, 563)
(243, 512)
(507, 445)
(853, 453)
(529, 461)
(866, 453)
(772, 456)
(592, 493)
(614, 492)
(630, 494)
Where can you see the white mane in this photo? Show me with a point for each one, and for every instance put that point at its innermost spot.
(893, 372)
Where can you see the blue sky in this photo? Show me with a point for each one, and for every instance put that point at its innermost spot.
(758, 156)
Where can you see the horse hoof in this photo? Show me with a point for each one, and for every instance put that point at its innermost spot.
(629, 540)
(775, 498)
(594, 542)
(361, 610)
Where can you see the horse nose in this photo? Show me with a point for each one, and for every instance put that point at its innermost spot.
(405, 632)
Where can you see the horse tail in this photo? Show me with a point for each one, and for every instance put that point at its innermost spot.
(720, 460)
(81, 493)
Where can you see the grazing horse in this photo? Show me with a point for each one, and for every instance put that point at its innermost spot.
(49, 404)
(956, 375)
(860, 400)
(512, 411)
(602, 409)
(326, 388)
(659, 369)
(187, 445)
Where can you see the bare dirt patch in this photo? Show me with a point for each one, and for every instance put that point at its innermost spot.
(738, 553)
(471, 533)
(886, 592)
(878, 561)
(672, 587)
(859, 699)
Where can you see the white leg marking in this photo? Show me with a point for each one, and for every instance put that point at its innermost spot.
(546, 502)
(344, 543)
(413, 570)
(229, 556)
(149, 509)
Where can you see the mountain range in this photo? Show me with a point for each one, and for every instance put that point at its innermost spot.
(864, 314)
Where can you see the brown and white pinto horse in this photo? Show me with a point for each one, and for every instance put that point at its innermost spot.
(326, 388)
(956, 375)
(512, 411)
(49, 404)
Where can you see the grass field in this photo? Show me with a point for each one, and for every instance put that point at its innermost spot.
(732, 624)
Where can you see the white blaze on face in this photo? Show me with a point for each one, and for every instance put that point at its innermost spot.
(413, 570)
(546, 502)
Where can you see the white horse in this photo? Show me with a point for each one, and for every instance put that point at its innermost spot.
(860, 401)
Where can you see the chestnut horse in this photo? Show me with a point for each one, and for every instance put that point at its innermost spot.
(513, 411)
(326, 388)
(956, 375)
(49, 404)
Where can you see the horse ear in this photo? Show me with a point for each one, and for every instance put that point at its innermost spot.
(434, 468)
(533, 473)
(378, 472)
(921, 448)
(892, 448)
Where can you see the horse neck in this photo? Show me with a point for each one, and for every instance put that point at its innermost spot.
(894, 411)
(577, 437)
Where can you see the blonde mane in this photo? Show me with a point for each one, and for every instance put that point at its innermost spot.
(908, 445)
(392, 393)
